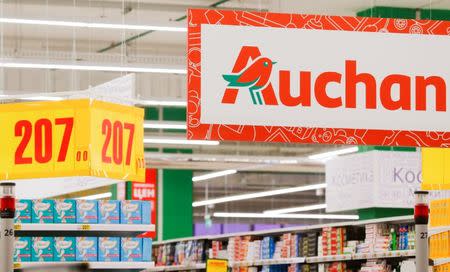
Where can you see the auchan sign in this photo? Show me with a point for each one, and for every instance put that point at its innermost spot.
(295, 78)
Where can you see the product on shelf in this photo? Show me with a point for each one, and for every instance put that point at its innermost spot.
(135, 212)
(180, 253)
(131, 249)
(109, 211)
(22, 252)
(87, 249)
(332, 267)
(43, 211)
(65, 249)
(109, 249)
(439, 212)
(333, 241)
(42, 249)
(65, 211)
(375, 266)
(23, 211)
(439, 245)
(87, 211)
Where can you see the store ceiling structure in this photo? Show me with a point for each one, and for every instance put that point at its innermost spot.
(260, 165)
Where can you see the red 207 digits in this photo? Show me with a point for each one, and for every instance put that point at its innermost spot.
(115, 131)
(43, 139)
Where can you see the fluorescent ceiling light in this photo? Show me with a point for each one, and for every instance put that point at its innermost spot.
(297, 209)
(42, 98)
(98, 196)
(259, 194)
(330, 154)
(130, 69)
(214, 175)
(173, 103)
(287, 216)
(165, 125)
(175, 141)
(91, 25)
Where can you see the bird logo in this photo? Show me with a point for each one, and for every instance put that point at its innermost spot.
(254, 77)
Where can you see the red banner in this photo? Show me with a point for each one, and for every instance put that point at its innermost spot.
(147, 191)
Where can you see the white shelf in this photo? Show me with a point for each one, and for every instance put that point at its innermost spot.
(383, 255)
(92, 265)
(268, 262)
(177, 267)
(325, 259)
(437, 230)
(441, 261)
(84, 227)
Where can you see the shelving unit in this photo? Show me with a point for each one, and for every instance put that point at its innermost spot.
(268, 262)
(92, 265)
(83, 227)
(441, 261)
(437, 230)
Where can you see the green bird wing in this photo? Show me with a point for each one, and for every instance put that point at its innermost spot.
(233, 81)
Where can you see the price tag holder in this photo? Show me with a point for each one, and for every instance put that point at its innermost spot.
(71, 138)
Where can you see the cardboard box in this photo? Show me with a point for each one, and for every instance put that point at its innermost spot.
(23, 211)
(65, 249)
(43, 211)
(146, 249)
(146, 212)
(87, 211)
(131, 249)
(87, 249)
(109, 249)
(109, 211)
(22, 250)
(42, 249)
(66, 211)
(131, 212)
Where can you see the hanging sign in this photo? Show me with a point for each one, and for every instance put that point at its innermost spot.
(71, 138)
(318, 79)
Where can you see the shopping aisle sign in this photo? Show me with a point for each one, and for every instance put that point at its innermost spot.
(318, 79)
(71, 138)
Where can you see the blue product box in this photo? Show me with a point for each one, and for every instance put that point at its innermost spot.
(22, 250)
(42, 249)
(66, 211)
(131, 212)
(65, 249)
(23, 211)
(87, 249)
(87, 211)
(109, 211)
(131, 249)
(43, 211)
(109, 249)
(146, 249)
(146, 212)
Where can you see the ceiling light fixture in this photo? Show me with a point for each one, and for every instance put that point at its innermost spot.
(165, 125)
(169, 103)
(175, 141)
(97, 196)
(334, 153)
(297, 209)
(214, 175)
(130, 69)
(91, 25)
(259, 194)
(287, 216)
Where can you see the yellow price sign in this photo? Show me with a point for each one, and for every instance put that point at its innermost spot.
(17, 227)
(17, 266)
(216, 265)
(85, 227)
(71, 138)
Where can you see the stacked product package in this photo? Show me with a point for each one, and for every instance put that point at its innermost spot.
(181, 253)
(309, 248)
(440, 242)
(375, 266)
(333, 241)
(382, 238)
(82, 249)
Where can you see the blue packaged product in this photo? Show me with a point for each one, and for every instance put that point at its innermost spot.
(65, 249)
(22, 249)
(131, 212)
(87, 249)
(43, 211)
(23, 211)
(42, 249)
(66, 211)
(131, 249)
(146, 207)
(109, 249)
(87, 211)
(146, 249)
(109, 211)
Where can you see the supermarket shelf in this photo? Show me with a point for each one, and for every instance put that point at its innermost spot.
(92, 265)
(441, 261)
(199, 266)
(84, 227)
(325, 259)
(382, 255)
(437, 230)
(268, 262)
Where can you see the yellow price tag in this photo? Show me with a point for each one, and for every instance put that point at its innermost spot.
(17, 265)
(71, 138)
(17, 227)
(216, 265)
(85, 227)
